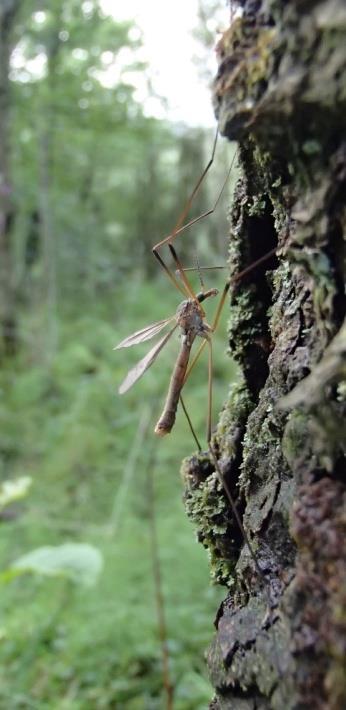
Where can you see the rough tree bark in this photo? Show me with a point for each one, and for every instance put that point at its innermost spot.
(8, 325)
(281, 93)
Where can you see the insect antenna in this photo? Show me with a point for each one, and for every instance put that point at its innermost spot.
(198, 268)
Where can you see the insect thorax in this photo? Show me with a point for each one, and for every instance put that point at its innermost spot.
(189, 317)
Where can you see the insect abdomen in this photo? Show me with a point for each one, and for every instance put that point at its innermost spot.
(167, 418)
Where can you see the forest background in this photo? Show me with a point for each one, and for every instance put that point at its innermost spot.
(92, 182)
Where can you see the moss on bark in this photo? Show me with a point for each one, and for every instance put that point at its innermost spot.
(281, 92)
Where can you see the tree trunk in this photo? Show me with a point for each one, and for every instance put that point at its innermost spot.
(8, 325)
(280, 92)
(46, 205)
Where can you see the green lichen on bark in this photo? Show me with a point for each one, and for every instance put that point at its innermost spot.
(281, 92)
(205, 502)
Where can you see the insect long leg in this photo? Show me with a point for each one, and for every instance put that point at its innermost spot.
(221, 477)
(183, 276)
(186, 209)
(223, 482)
(221, 303)
(195, 358)
(210, 388)
(185, 287)
(210, 367)
(266, 585)
(213, 328)
(190, 423)
(180, 227)
(169, 273)
(180, 269)
(253, 266)
(169, 238)
(192, 324)
(204, 268)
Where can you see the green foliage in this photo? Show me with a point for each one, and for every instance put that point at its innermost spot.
(68, 430)
(96, 183)
(78, 563)
(11, 491)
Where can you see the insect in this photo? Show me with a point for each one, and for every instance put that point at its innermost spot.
(190, 318)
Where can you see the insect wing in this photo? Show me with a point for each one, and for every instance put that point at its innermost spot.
(143, 365)
(140, 336)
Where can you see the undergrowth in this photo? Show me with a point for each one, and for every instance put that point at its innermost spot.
(88, 451)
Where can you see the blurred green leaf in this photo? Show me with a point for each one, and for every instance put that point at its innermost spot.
(11, 491)
(79, 562)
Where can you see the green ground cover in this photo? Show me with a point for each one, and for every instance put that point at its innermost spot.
(88, 452)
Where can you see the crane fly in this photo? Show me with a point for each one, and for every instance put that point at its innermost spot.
(189, 318)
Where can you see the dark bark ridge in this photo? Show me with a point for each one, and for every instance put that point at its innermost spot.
(280, 91)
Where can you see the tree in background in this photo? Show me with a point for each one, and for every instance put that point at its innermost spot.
(95, 182)
(8, 317)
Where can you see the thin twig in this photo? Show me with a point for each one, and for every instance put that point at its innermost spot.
(129, 470)
(159, 597)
